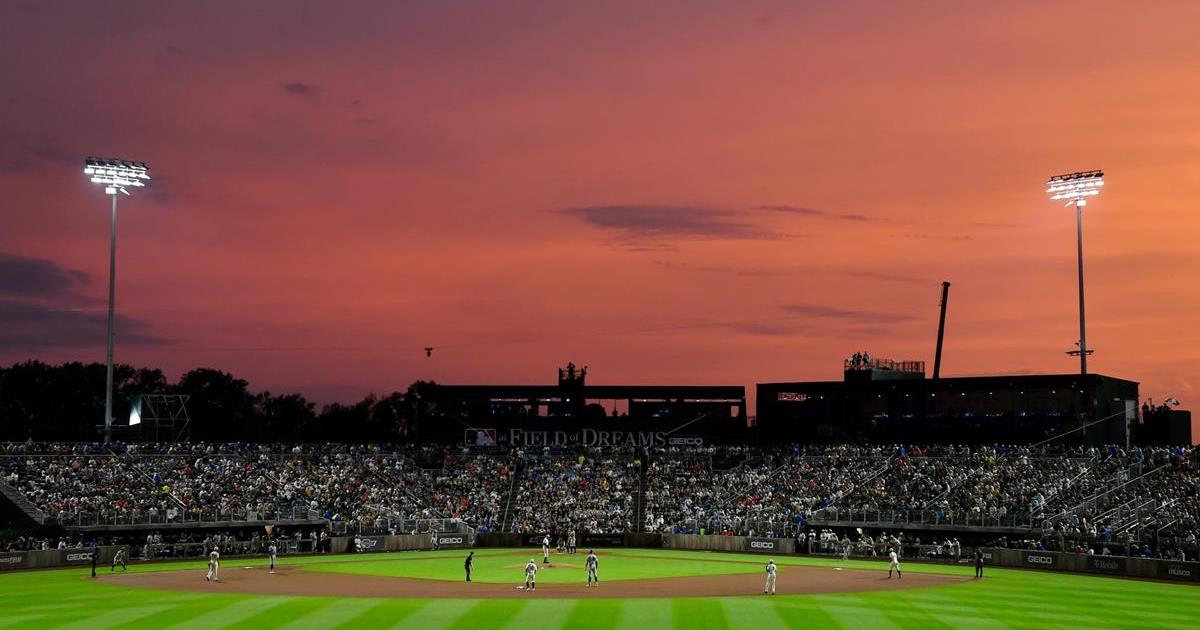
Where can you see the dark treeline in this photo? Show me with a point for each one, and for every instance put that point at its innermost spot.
(66, 403)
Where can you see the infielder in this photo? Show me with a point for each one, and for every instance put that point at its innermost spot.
(531, 575)
(895, 564)
(271, 555)
(214, 566)
(546, 549)
(593, 569)
(467, 564)
(119, 558)
(769, 587)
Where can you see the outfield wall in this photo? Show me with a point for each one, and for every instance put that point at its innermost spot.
(13, 560)
(1080, 563)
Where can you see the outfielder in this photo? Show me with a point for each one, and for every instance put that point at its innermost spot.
(769, 587)
(214, 566)
(593, 569)
(531, 575)
(119, 558)
(546, 549)
(895, 564)
(271, 555)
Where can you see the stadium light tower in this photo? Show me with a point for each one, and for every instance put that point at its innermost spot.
(117, 176)
(1075, 189)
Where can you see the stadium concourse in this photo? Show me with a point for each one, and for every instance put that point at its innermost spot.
(1136, 502)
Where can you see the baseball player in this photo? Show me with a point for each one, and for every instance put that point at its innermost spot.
(119, 558)
(433, 541)
(769, 587)
(571, 541)
(271, 551)
(546, 549)
(593, 568)
(214, 566)
(467, 565)
(979, 562)
(531, 575)
(894, 564)
(845, 547)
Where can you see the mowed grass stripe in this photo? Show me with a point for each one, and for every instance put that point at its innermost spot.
(489, 613)
(333, 613)
(225, 615)
(595, 614)
(753, 612)
(385, 615)
(278, 610)
(114, 618)
(695, 613)
(544, 614)
(438, 614)
(802, 613)
(854, 613)
(643, 614)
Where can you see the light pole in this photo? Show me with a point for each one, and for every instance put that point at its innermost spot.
(117, 176)
(1075, 189)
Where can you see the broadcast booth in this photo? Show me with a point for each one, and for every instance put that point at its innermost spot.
(891, 402)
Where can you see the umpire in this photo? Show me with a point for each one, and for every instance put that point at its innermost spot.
(467, 564)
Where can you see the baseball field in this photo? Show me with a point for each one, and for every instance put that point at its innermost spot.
(641, 589)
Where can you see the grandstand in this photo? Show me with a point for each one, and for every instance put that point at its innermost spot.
(1137, 501)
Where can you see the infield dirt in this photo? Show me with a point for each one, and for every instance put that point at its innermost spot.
(294, 580)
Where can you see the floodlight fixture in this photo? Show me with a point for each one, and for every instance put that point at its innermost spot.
(1075, 188)
(116, 176)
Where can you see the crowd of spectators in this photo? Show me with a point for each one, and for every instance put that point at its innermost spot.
(1074, 497)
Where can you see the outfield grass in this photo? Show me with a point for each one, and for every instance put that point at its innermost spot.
(1006, 598)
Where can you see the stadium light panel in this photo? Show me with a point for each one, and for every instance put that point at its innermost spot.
(116, 175)
(1075, 188)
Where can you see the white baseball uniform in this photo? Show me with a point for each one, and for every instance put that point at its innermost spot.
(214, 566)
(531, 575)
(770, 585)
(593, 569)
(271, 554)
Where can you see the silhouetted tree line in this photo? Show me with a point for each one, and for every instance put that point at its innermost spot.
(66, 402)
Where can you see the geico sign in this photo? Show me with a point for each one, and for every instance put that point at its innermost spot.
(761, 544)
(1040, 559)
(72, 557)
(685, 441)
(450, 540)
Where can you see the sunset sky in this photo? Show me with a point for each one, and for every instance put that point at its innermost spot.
(669, 192)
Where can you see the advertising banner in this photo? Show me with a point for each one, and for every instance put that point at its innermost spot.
(762, 545)
(1041, 560)
(453, 539)
(12, 561)
(601, 540)
(363, 544)
(1106, 564)
(1180, 571)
